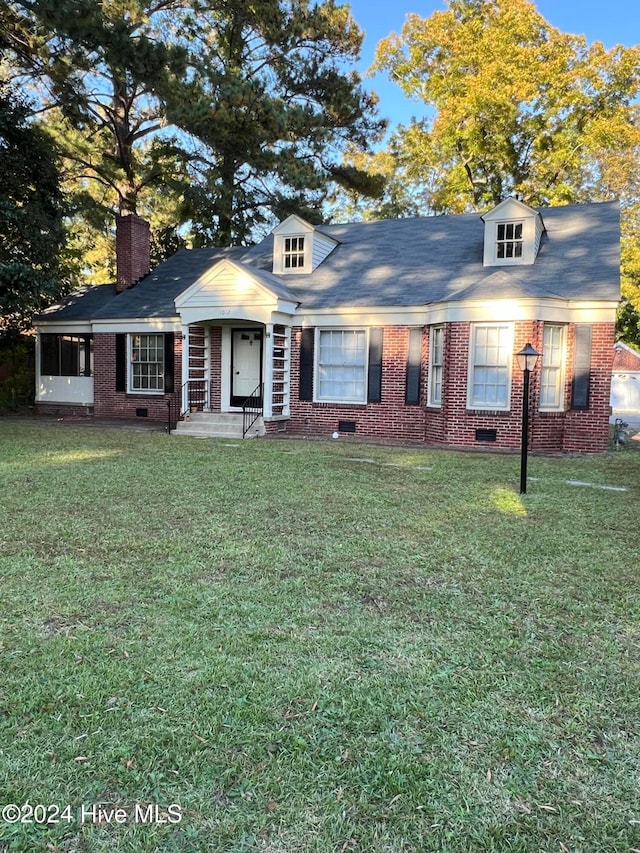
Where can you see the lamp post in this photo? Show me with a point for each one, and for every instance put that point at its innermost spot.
(527, 358)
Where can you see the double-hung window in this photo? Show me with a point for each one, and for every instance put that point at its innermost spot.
(147, 363)
(341, 365)
(293, 253)
(491, 346)
(552, 372)
(509, 240)
(436, 362)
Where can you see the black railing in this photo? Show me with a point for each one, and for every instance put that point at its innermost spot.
(251, 409)
(173, 413)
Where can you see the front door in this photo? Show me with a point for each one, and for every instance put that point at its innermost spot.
(246, 364)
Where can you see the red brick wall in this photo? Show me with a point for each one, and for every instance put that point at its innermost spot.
(216, 368)
(453, 424)
(109, 403)
(589, 430)
(391, 418)
(624, 360)
(132, 250)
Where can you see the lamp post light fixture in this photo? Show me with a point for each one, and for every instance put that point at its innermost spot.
(527, 358)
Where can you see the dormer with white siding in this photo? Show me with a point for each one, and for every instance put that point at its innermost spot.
(298, 247)
(512, 234)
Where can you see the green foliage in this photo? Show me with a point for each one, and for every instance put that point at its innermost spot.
(628, 323)
(31, 211)
(517, 106)
(218, 114)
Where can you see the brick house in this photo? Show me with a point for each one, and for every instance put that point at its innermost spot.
(403, 329)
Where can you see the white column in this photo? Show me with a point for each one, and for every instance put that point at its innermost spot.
(184, 402)
(207, 367)
(286, 409)
(267, 398)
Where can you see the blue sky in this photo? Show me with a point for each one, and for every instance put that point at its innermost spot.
(609, 21)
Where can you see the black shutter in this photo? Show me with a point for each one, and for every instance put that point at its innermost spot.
(414, 359)
(168, 363)
(121, 362)
(305, 391)
(374, 383)
(581, 368)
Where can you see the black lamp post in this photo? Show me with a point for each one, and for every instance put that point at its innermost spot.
(527, 358)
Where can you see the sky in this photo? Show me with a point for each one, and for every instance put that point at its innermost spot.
(608, 21)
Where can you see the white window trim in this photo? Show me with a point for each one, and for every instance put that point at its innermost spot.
(316, 366)
(279, 267)
(430, 403)
(562, 372)
(148, 392)
(489, 407)
(516, 261)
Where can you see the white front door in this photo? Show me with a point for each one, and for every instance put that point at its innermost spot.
(246, 363)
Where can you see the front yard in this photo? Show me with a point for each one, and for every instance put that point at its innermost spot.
(315, 647)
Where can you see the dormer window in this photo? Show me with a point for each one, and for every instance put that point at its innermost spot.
(509, 240)
(512, 234)
(298, 247)
(293, 253)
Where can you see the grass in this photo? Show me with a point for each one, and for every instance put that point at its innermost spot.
(316, 646)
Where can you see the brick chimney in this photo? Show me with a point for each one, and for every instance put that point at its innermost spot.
(132, 250)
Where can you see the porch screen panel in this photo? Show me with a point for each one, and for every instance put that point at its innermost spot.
(49, 361)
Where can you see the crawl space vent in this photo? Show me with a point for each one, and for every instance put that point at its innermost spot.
(486, 434)
(142, 413)
(346, 426)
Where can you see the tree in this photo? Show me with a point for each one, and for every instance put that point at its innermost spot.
(273, 111)
(31, 216)
(515, 107)
(233, 108)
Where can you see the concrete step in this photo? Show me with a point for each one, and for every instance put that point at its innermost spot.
(216, 425)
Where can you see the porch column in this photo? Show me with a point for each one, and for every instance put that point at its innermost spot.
(207, 368)
(286, 409)
(184, 402)
(267, 398)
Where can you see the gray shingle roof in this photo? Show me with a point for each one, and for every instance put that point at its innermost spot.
(400, 262)
(80, 306)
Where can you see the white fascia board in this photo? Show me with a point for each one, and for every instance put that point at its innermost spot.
(70, 328)
(138, 324)
(293, 224)
(549, 310)
(374, 315)
(282, 312)
(508, 208)
(478, 310)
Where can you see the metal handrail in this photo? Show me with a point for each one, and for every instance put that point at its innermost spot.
(252, 409)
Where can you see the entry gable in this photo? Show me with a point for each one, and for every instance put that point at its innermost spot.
(231, 285)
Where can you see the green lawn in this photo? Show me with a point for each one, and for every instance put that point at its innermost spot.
(316, 646)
